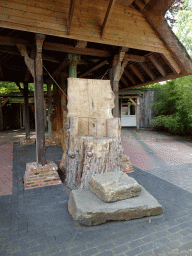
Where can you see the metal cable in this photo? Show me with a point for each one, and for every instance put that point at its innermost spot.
(105, 74)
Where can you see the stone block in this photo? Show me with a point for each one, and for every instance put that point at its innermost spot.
(114, 186)
(87, 209)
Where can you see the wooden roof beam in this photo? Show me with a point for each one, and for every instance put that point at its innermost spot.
(129, 76)
(123, 79)
(160, 7)
(148, 70)
(172, 63)
(12, 41)
(137, 72)
(157, 65)
(140, 4)
(70, 16)
(98, 65)
(70, 49)
(159, 24)
(107, 15)
(135, 58)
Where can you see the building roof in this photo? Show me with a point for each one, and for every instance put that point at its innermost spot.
(96, 30)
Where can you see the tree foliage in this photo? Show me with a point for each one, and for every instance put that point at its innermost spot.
(173, 106)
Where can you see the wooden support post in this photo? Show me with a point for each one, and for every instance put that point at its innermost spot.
(49, 105)
(1, 117)
(73, 59)
(27, 125)
(118, 67)
(39, 102)
(138, 113)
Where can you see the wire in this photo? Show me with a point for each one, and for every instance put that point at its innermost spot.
(105, 74)
(54, 138)
(54, 80)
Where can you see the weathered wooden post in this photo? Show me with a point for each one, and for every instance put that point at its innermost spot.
(73, 60)
(39, 102)
(49, 105)
(26, 101)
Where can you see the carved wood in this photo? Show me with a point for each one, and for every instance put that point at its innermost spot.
(70, 16)
(137, 72)
(29, 62)
(157, 65)
(148, 70)
(107, 15)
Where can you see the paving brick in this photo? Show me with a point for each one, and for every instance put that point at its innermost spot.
(162, 249)
(186, 239)
(38, 248)
(62, 253)
(78, 249)
(186, 232)
(134, 252)
(162, 233)
(148, 239)
(93, 243)
(160, 241)
(135, 243)
(49, 251)
(106, 253)
(120, 241)
(147, 247)
(174, 229)
(120, 249)
(105, 247)
(174, 244)
(90, 252)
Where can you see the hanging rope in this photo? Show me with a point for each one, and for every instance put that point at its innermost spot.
(105, 74)
(54, 80)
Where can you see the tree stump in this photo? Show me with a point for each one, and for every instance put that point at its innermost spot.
(93, 135)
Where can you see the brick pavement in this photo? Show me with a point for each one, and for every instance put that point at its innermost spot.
(36, 222)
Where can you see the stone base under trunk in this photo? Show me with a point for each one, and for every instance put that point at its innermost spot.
(37, 175)
(87, 209)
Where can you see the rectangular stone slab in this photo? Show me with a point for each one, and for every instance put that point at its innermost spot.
(87, 209)
(114, 186)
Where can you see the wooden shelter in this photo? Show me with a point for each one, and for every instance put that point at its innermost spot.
(126, 41)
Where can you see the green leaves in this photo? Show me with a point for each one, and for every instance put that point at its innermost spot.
(173, 106)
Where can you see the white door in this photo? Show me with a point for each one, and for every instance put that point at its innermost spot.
(128, 113)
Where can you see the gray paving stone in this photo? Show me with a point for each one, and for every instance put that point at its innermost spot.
(147, 247)
(78, 249)
(134, 252)
(135, 243)
(120, 249)
(90, 252)
(105, 247)
(106, 253)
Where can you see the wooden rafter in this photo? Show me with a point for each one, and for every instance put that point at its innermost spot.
(12, 41)
(123, 79)
(129, 76)
(107, 15)
(71, 49)
(137, 72)
(135, 58)
(70, 16)
(140, 4)
(157, 65)
(172, 63)
(148, 70)
(96, 65)
(132, 101)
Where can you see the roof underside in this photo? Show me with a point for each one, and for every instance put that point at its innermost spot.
(144, 66)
